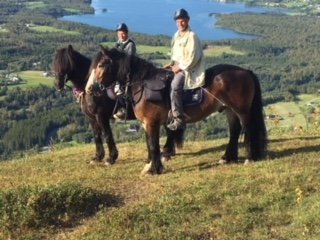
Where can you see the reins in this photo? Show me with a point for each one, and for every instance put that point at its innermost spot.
(215, 97)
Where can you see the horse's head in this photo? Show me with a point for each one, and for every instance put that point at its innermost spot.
(111, 66)
(62, 66)
(104, 68)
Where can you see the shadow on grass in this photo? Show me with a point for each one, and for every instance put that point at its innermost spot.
(105, 201)
(272, 155)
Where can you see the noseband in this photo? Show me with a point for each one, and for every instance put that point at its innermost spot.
(65, 78)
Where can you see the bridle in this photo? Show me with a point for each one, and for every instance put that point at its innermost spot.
(63, 76)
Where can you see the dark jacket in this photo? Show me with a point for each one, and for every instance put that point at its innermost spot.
(128, 46)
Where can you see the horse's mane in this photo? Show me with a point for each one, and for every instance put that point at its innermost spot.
(144, 69)
(66, 59)
(70, 61)
(139, 69)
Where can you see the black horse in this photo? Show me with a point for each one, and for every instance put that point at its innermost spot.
(69, 64)
(227, 88)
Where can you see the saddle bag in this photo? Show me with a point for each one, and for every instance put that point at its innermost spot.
(155, 88)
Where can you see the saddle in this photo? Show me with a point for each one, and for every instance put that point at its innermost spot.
(157, 89)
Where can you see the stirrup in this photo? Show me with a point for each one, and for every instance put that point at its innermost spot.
(120, 114)
(176, 124)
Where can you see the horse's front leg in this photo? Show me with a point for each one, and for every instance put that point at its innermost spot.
(99, 155)
(148, 148)
(152, 138)
(113, 151)
(169, 147)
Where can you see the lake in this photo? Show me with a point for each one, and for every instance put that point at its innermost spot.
(156, 16)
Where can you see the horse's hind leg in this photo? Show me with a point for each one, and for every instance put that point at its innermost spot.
(231, 154)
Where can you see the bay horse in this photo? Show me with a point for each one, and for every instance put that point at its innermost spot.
(69, 64)
(228, 88)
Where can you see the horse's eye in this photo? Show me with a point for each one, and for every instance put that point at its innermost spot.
(100, 65)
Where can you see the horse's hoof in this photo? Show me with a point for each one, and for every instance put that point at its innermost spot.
(247, 162)
(107, 164)
(165, 159)
(148, 171)
(223, 162)
(93, 162)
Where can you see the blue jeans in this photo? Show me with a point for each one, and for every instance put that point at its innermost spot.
(177, 85)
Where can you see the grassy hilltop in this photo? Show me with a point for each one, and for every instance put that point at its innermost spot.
(277, 198)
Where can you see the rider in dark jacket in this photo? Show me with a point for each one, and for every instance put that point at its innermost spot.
(127, 45)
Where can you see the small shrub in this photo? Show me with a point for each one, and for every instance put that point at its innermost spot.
(38, 207)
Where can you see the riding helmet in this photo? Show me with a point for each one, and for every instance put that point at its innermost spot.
(181, 13)
(122, 27)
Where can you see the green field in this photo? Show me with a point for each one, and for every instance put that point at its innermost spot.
(33, 79)
(48, 29)
(215, 51)
(211, 51)
(3, 30)
(277, 198)
(73, 10)
(36, 4)
(295, 115)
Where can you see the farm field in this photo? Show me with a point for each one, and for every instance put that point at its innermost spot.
(211, 51)
(49, 29)
(33, 79)
(297, 114)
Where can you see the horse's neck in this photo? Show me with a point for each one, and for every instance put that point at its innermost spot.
(80, 78)
(141, 70)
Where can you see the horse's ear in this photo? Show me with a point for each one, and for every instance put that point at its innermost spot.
(70, 48)
(104, 49)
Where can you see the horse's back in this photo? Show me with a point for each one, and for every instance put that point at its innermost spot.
(215, 70)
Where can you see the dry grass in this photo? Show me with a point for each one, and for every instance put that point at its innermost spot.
(195, 198)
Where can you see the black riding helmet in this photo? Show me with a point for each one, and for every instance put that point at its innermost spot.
(122, 27)
(181, 13)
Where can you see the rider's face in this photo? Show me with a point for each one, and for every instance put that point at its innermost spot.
(182, 24)
(122, 36)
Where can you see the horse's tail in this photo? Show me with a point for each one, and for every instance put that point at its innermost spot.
(256, 135)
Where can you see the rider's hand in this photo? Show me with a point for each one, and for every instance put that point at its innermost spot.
(168, 66)
(175, 69)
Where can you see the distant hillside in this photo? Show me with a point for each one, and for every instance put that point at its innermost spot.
(299, 6)
(57, 195)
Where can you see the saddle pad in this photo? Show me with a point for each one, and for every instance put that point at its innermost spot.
(193, 97)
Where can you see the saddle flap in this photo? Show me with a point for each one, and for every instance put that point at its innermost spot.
(158, 81)
(192, 96)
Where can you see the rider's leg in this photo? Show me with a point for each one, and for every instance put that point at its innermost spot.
(176, 102)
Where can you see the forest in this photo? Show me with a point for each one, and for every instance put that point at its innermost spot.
(310, 7)
(284, 55)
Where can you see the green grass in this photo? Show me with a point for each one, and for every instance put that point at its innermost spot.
(33, 79)
(49, 29)
(195, 198)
